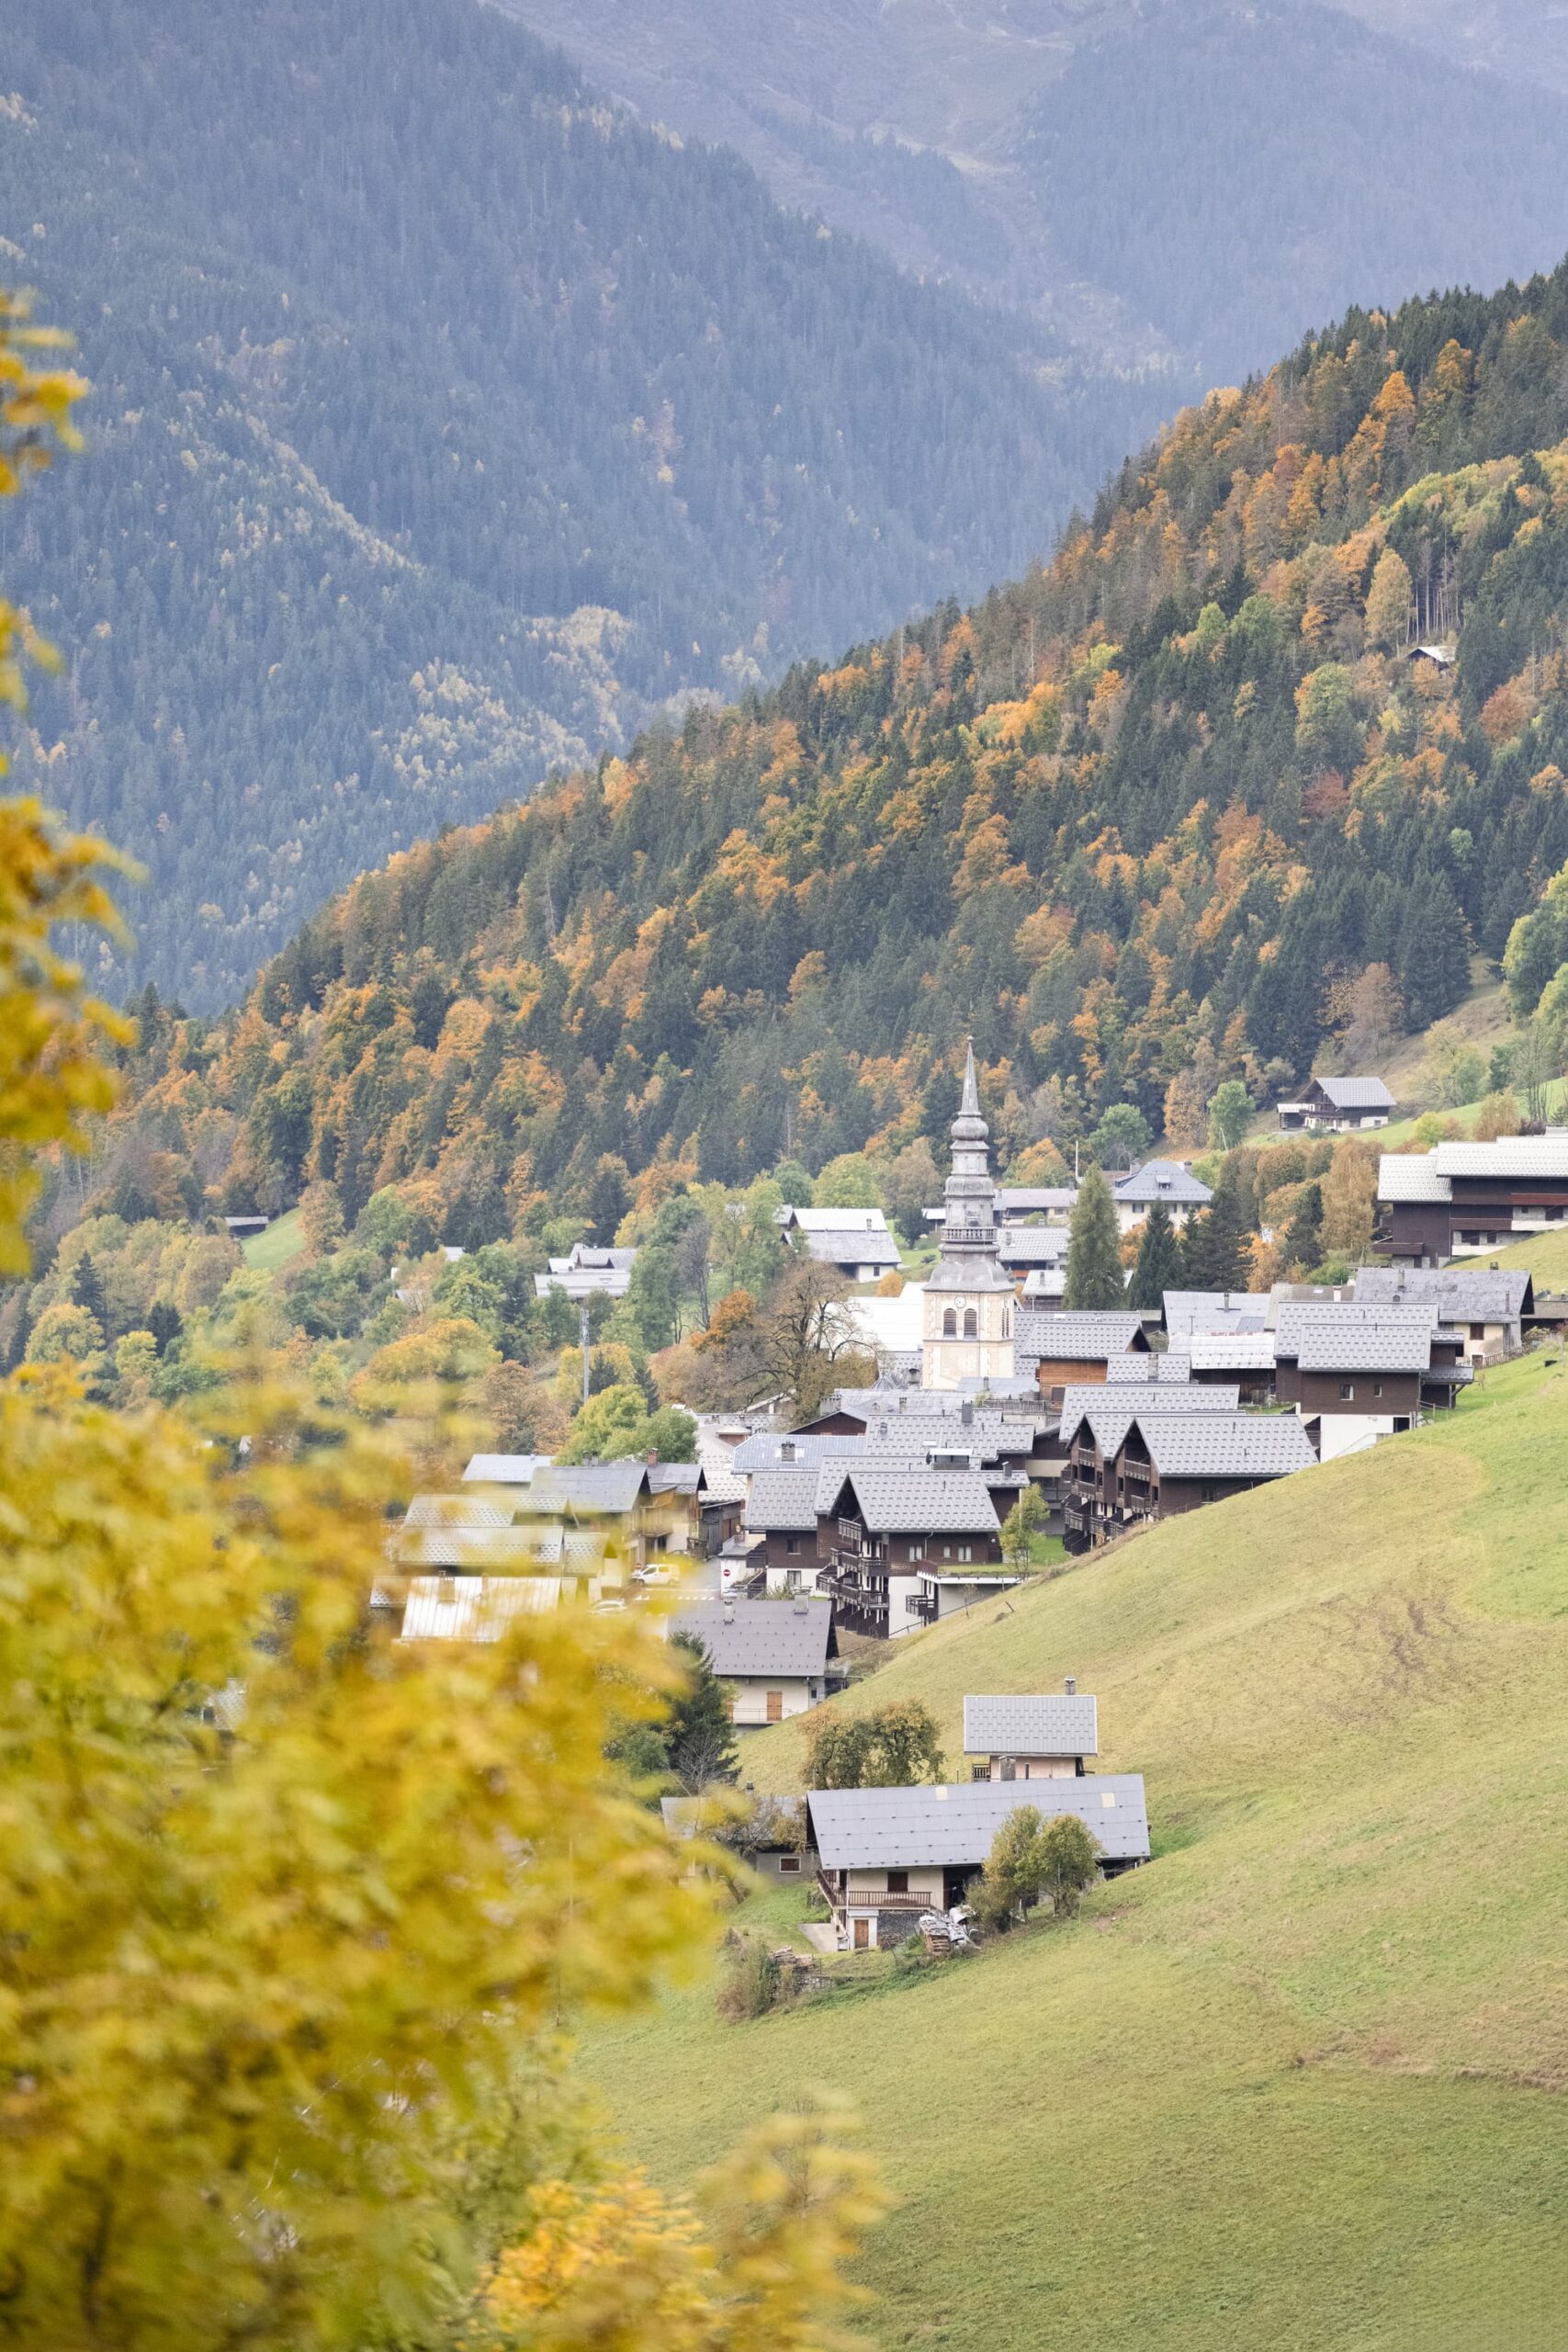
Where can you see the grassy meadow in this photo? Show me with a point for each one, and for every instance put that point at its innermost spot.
(284, 1239)
(1300, 2085)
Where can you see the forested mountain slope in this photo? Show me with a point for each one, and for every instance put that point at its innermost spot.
(445, 421)
(1163, 806)
(1184, 185)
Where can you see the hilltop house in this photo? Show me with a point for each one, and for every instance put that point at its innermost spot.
(1159, 1180)
(1042, 1736)
(888, 1854)
(855, 1240)
(1357, 1372)
(1463, 1198)
(773, 1653)
(1337, 1106)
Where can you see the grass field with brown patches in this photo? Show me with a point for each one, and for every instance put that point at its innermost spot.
(1301, 2084)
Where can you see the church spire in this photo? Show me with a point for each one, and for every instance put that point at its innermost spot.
(969, 1108)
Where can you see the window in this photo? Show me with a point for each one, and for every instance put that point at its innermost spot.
(1346, 1388)
(950, 1323)
(916, 1551)
(1478, 1331)
(965, 1553)
(789, 1866)
(792, 1544)
(947, 1551)
(897, 1882)
(971, 1324)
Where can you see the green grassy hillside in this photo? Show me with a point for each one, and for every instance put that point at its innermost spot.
(1300, 2083)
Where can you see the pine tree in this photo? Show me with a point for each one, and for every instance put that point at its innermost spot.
(702, 1743)
(1216, 1254)
(1434, 951)
(1094, 1253)
(1159, 1261)
(1303, 1244)
(87, 1290)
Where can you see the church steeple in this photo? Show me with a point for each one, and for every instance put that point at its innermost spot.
(969, 1294)
(969, 1225)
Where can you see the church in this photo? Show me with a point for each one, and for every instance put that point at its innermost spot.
(970, 1300)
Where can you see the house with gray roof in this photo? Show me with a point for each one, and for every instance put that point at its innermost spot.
(855, 1240)
(1358, 1371)
(1168, 1181)
(879, 1524)
(1063, 1346)
(1337, 1106)
(588, 1272)
(773, 1654)
(1038, 1736)
(886, 1855)
(1183, 1312)
(1490, 1305)
(1128, 1469)
(1171, 1368)
(1463, 1199)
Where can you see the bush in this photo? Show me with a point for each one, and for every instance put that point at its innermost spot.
(751, 1984)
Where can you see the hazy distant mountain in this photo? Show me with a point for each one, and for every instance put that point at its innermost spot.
(1196, 181)
(444, 423)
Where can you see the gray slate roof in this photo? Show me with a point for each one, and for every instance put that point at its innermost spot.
(607, 1489)
(746, 1639)
(782, 1499)
(1463, 1295)
(1171, 1369)
(910, 1500)
(1187, 1311)
(1367, 1346)
(954, 1825)
(1412, 1176)
(1357, 1093)
(478, 1551)
(1048, 1724)
(1127, 1400)
(505, 1469)
(1161, 1180)
(457, 1510)
(1232, 1351)
(1033, 1245)
(1253, 1445)
(1063, 1337)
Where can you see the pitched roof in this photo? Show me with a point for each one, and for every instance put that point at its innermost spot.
(782, 1499)
(1357, 1093)
(473, 1609)
(480, 1551)
(505, 1469)
(955, 1825)
(1073, 1336)
(1232, 1351)
(1509, 1156)
(1033, 1245)
(905, 1499)
(1187, 1311)
(747, 1638)
(1162, 1179)
(1171, 1368)
(1338, 1321)
(1034, 1200)
(843, 1245)
(1047, 1724)
(1411, 1176)
(1250, 1445)
(1366, 1347)
(722, 1478)
(1465, 1295)
(597, 1489)
(1127, 1399)
(457, 1510)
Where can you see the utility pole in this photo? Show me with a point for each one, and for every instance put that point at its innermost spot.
(582, 1330)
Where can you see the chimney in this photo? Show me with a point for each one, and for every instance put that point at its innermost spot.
(651, 1456)
(967, 1413)
(728, 1612)
(1071, 1686)
(786, 1451)
(802, 1609)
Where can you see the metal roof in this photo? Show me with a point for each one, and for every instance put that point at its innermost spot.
(1162, 1179)
(782, 1499)
(505, 1469)
(1232, 1351)
(1088, 1397)
(1411, 1176)
(1047, 1724)
(1252, 1445)
(910, 1500)
(473, 1609)
(1075, 1335)
(745, 1639)
(839, 1220)
(1521, 1156)
(1213, 1310)
(479, 1550)
(1357, 1093)
(954, 1825)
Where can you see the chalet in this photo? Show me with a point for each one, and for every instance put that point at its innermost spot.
(1132, 1466)
(1074, 1346)
(1042, 1736)
(1337, 1106)
(588, 1272)
(773, 1841)
(1030, 1250)
(1490, 1305)
(720, 1436)
(1356, 1373)
(879, 1526)
(781, 1509)
(855, 1240)
(888, 1854)
(1462, 1199)
(246, 1228)
(640, 1511)
(775, 1654)
(1165, 1181)
(1239, 1363)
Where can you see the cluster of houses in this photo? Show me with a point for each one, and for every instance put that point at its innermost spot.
(886, 1859)
(1463, 1199)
